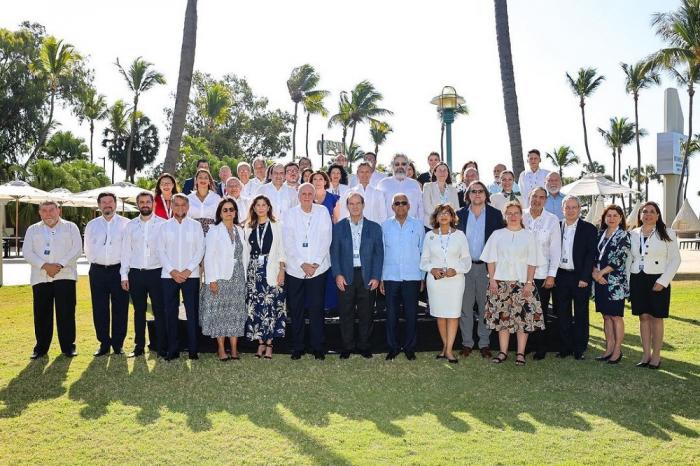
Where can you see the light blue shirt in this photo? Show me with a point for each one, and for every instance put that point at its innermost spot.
(476, 233)
(496, 188)
(356, 231)
(403, 245)
(553, 205)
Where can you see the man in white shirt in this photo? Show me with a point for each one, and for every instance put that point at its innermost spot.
(400, 183)
(375, 175)
(530, 179)
(280, 195)
(375, 204)
(140, 272)
(307, 234)
(181, 250)
(224, 174)
(291, 175)
(545, 226)
(52, 247)
(103, 249)
(260, 172)
(234, 191)
(243, 172)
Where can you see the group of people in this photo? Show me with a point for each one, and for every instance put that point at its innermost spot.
(245, 254)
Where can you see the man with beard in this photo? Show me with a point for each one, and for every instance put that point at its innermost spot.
(140, 272)
(554, 197)
(400, 183)
(291, 175)
(103, 249)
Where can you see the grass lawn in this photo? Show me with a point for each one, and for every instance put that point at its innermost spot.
(116, 410)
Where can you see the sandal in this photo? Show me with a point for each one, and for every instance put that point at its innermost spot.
(224, 359)
(498, 359)
(520, 362)
(268, 356)
(259, 353)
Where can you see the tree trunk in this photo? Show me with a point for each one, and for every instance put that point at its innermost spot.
(585, 133)
(619, 176)
(131, 136)
(352, 137)
(294, 132)
(646, 190)
(308, 117)
(92, 133)
(691, 93)
(44, 132)
(510, 97)
(376, 149)
(345, 133)
(614, 170)
(184, 82)
(636, 136)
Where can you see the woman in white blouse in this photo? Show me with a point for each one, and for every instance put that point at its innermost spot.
(203, 199)
(512, 256)
(446, 259)
(655, 260)
(439, 192)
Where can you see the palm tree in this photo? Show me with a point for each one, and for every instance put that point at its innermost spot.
(118, 117)
(140, 78)
(583, 86)
(54, 62)
(510, 97)
(303, 80)
(681, 30)
(313, 105)
(343, 118)
(629, 176)
(93, 107)
(215, 106)
(562, 157)
(184, 82)
(650, 175)
(594, 167)
(638, 76)
(621, 133)
(379, 130)
(354, 154)
(363, 105)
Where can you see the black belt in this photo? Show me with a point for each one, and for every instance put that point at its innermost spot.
(107, 267)
(145, 270)
(477, 262)
(357, 268)
(566, 270)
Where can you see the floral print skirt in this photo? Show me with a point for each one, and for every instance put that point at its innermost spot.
(508, 309)
(267, 315)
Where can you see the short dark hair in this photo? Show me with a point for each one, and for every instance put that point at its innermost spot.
(486, 191)
(324, 175)
(144, 193)
(106, 194)
(470, 162)
(534, 151)
(370, 153)
(217, 217)
(434, 153)
(290, 164)
(201, 161)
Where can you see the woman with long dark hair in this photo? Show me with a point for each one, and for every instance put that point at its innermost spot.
(338, 178)
(204, 199)
(166, 188)
(610, 277)
(655, 260)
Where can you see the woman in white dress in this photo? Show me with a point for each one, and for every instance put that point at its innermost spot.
(203, 199)
(439, 192)
(508, 193)
(446, 259)
(512, 256)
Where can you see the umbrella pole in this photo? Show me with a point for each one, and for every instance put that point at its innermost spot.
(17, 226)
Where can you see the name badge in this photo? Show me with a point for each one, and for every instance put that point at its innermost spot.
(305, 244)
(261, 260)
(47, 252)
(564, 260)
(355, 255)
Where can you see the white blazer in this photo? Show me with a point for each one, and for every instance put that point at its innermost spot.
(661, 256)
(219, 258)
(431, 199)
(276, 254)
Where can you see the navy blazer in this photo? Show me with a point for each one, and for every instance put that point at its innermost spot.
(371, 251)
(584, 250)
(188, 186)
(494, 221)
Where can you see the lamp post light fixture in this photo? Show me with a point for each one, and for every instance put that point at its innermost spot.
(447, 103)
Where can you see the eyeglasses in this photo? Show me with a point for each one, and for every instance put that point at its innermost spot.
(399, 203)
(228, 209)
(400, 164)
(477, 191)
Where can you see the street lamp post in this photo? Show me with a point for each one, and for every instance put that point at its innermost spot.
(448, 102)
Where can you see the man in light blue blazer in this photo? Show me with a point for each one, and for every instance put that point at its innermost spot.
(357, 258)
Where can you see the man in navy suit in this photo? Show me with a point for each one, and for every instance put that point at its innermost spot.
(357, 258)
(189, 182)
(572, 285)
(477, 220)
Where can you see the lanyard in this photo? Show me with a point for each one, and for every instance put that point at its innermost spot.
(444, 245)
(260, 237)
(168, 210)
(356, 231)
(602, 239)
(643, 242)
(49, 234)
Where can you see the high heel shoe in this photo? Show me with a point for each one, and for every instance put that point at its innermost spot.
(642, 364)
(615, 361)
(604, 357)
(654, 366)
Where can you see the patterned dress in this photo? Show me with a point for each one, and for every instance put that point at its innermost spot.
(224, 314)
(267, 315)
(610, 298)
(508, 309)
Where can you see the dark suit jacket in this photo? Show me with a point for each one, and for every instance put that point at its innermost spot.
(494, 221)
(371, 251)
(220, 189)
(584, 250)
(188, 186)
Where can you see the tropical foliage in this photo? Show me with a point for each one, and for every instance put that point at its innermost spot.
(302, 87)
(379, 130)
(585, 83)
(64, 146)
(562, 157)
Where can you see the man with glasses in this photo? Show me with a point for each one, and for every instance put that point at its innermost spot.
(291, 175)
(400, 183)
(281, 196)
(103, 250)
(478, 221)
(375, 177)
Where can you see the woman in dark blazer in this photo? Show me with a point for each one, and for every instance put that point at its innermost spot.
(655, 260)
(610, 277)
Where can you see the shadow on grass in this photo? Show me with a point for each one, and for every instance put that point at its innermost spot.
(685, 320)
(630, 339)
(34, 383)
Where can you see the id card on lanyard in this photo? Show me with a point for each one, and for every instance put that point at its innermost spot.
(261, 237)
(48, 239)
(643, 246)
(601, 250)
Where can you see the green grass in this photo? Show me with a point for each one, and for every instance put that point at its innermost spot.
(115, 410)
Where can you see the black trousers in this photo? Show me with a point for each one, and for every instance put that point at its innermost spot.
(310, 291)
(358, 301)
(106, 289)
(60, 293)
(539, 338)
(401, 293)
(144, 284)
(573, 328)
(171, 300)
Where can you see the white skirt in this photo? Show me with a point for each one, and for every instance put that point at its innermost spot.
(445, 296)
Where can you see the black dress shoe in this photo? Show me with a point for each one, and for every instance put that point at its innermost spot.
(603, 357)
(171, 357)
(654, 366)
(194, 356)
(345, 355)
(410, 355)
(539, 355)
(453, 361)
(296, 355)
(135, 353)
(391, 355)
(36, 355)
(70, 354)
(579, 356)
(367, 354)
(118, 351)
(562, 355)
(101, 352)
(319, 355)
(615, 361)
(642, 364)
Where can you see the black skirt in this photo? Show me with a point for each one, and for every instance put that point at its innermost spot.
(646, 301)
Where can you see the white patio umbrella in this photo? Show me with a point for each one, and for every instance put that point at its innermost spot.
(595, 185)
(20, 191)
(632, 217)
(125, 192)
(596, 211)
(66, 198)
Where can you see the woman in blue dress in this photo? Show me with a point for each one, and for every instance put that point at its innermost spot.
(329, 200)
(610, 277)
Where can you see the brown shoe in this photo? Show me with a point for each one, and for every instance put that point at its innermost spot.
(485, 352)
(466, 352)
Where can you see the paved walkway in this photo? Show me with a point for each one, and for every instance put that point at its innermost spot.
(16, 271)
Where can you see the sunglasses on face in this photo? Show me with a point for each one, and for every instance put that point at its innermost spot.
(477, 191)
(228, 209)
(400, 203)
